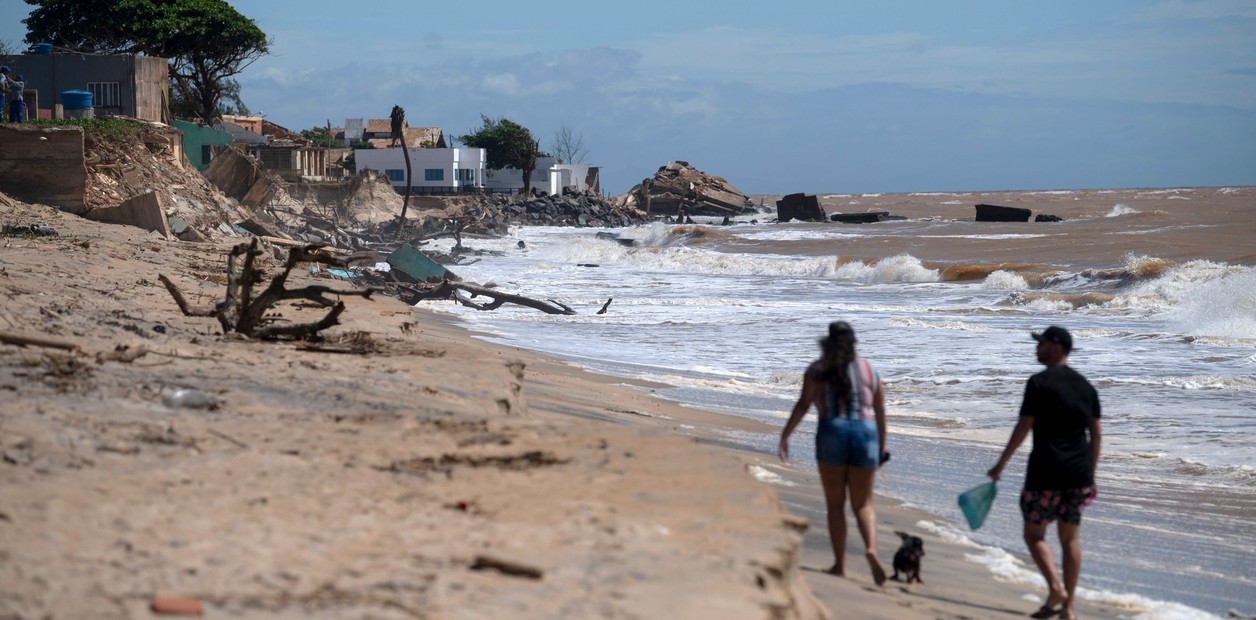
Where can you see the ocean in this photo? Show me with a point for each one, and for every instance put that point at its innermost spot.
(1158, 287)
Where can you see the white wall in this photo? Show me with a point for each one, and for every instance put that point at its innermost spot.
(549, 176)
(512, 178)
(448, 161)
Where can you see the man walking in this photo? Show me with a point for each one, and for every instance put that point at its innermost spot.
(1062, 409)
(17, 105)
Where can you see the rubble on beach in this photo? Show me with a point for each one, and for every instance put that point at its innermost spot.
(387, 466)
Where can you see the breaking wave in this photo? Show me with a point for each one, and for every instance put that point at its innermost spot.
(1005, 281)
(960, 272)
(901, 268)
(1221, 307)
(1120, 210)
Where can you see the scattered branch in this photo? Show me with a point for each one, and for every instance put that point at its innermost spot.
(243, 312)
(36, 341)
(450, 290)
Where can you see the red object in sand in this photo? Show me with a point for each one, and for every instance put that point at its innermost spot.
(177, 606)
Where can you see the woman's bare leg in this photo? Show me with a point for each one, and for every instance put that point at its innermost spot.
(862, 480)
(833, 479)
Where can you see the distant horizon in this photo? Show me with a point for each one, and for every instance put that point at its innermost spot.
(916, 96)
(1061, 190)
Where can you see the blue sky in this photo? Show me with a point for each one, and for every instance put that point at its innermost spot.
(823, 96)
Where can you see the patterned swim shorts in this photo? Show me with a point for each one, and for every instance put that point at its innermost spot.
(1040, 507)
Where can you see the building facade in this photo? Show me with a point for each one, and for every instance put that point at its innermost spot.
(549, 176)
(120, 84)
(433, 171)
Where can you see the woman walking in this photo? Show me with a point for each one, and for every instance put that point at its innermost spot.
(850, 438)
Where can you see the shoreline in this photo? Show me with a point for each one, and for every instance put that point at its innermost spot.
(322, 484)
(954, 586)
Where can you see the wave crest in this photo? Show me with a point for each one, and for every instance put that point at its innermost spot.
(901, 268)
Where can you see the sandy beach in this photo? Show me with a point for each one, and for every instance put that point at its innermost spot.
(402, 468)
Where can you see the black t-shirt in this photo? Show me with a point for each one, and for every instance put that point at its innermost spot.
(1062, 403)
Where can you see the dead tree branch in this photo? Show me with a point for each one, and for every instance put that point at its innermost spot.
(243, 312)
(22, 341)
(450, 290)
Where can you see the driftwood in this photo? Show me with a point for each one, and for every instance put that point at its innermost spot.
(243, 312)
(36, 341)
(449, 290)
(452, 290)
(507, 567)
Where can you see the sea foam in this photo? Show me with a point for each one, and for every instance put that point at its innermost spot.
(901, 268)
(1008, 567)
(1120, 210)
(1224, 306)
(1005, 281)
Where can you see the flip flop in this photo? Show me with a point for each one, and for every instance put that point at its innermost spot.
(1047, 612)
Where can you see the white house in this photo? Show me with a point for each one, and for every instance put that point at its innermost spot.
(549, 176)
(447, 171)
(433, 171)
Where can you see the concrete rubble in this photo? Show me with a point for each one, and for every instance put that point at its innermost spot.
(679, 188)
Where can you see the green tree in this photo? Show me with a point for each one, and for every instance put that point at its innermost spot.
(321, 136)
(207, 41)
(508, 145)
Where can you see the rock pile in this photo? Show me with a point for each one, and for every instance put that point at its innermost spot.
(569, 209)
(680, 188)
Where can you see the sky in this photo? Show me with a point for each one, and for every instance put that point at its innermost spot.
(823, 96)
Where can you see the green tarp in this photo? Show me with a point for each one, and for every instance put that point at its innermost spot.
(414, 264)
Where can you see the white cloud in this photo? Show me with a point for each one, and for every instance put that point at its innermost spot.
(501, 84)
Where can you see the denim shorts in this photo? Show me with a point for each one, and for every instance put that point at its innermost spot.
(846, 441)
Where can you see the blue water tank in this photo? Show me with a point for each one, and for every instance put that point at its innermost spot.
(42, 49)
(76, 99)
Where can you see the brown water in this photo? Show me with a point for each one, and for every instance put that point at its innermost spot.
(1100, 228)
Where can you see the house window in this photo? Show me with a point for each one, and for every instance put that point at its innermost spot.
(104, 94)
(396, 176)
(466, 175)
(434, 174)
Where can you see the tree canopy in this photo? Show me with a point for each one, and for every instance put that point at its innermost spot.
(508, 145)
(321, 136)
(207, 41)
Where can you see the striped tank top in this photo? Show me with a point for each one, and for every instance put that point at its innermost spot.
(863, 384)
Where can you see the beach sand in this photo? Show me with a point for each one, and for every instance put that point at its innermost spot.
(402, 468)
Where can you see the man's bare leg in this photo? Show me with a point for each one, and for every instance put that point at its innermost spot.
(1071, 544)
(1036, 540)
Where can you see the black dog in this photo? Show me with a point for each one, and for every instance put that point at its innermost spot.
(907, 558)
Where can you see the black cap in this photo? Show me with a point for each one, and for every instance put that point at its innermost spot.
(1058, 335)
(841, 329)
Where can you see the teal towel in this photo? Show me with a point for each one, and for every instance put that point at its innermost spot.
(976, 503)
